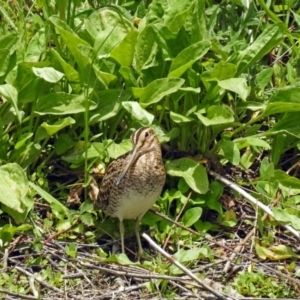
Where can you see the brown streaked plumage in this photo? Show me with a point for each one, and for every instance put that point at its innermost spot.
(133, 182)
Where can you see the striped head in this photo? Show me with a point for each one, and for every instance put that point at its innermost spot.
(144, 140)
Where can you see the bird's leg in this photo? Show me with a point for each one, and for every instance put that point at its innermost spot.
(138, 238)
(122, 231)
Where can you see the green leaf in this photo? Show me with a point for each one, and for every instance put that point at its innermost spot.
(145, 49)
(58, 209)
(61, 65)
(177, 118)
(124, 52)
(284, 100)
(22, 139)
(121, 259)
(194, 174)
(58, 125)
(72, 41)
(187, 57)
(289, 124)
(288, 184)
(266, 42)
(10, 93)
(109, 104)
(176, 13)
(37, 46)
(87, 219)
(236, 85)
(115, 150)
(191, 216)
(62, 104)
(212, 197)
(251, 141)
(105, 78)
(264, 77)
(4, 61)
(63, 143)
(156, 90)
(48, 74)
(215, 115)
(109, 28)
(138, 113)
(284, 217)
(13, 186)
(230, 151)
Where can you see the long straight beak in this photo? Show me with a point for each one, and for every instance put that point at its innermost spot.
(131, 161)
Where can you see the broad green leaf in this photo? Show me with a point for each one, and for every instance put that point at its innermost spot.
(183, 255)
(251, 141)
(115, 150)
(236, 85)
(28, 84)
(176, 14)
(280, 143)
(289, 124)
(7, 233)
(212, 197)
(221, 71)
(284, 100)
(197, 21)
(266, 42)
(289, 185)
(177, 118)
(62, 104)
(9, 41)
(58, 209)
(63, 143)
(10, 93)
(87, 219)
(14, 188)
(108, 27)
(48, 73)
(138, 113)
(4, 61)
(124, 52)
(145, 49)
(104, 77)
(22, 139)
(121, 259)
(229, 218)
(20, 217)
(266, 169)
(58, 125)
(72, 41)
(107, 17)
(230, 151)
(279, 252)
(61, 65)
(37, 46)
(264, 77)
(27, 154)
(191, 216)
(282, 216)
(194, 174)
(215, 115)
(128, 75)
(109, 104)
(156, 90)
(187, 57)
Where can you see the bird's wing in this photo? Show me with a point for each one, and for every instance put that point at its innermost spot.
(109, 180)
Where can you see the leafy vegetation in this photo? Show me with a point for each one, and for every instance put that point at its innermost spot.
(216, 81)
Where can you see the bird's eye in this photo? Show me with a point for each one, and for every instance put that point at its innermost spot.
(147, 134)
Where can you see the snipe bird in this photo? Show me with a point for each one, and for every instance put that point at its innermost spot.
(133, 182)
